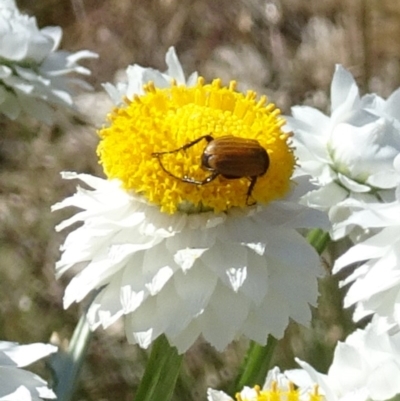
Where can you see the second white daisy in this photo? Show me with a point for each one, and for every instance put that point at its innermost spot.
(350, 153)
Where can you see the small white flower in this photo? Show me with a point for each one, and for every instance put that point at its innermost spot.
(350, 153)
(33, 73)
(375, 287)
(365, 367)
(277, 386)
(18, 384)
(187, 260)
(137, 76)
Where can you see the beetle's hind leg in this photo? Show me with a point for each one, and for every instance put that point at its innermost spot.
(253, 181)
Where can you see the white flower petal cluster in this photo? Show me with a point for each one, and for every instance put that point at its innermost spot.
(244, 272)
(351, 152)
(18, 384)
(375, 283)
(33, 73)
(365, 367)
(137, 76)
(276, 379)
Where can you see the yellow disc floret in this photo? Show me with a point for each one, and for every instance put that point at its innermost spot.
(275, 393)
(166, 119)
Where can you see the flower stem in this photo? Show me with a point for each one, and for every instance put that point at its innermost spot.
(256, 364)
(161, 372)
(318, 239)
(69, 365)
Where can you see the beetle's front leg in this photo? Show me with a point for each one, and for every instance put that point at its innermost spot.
(210, 178)
(165, 170)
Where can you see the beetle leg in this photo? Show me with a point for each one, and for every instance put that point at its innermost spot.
(188, 180)
(208, 138)
(253, 181)
(162, 166)
(210, 178)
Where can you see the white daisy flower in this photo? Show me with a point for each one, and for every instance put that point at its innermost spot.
(375, 287)
(33, 73)
(365, 367)
(186, 260)
(350, 153)
(18, 384)
(277, 386)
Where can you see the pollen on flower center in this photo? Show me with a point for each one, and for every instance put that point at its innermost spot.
(164, 120)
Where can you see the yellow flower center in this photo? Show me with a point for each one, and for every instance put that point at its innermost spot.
(164, 120)
(275, 394)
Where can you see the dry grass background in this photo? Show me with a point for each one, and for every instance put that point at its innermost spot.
(286, 49)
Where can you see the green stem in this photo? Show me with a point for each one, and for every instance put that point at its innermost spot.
(69, 365)
(318, 239)
(161, 372)
(256, 364)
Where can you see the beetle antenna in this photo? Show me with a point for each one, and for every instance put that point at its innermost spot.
(207, 137)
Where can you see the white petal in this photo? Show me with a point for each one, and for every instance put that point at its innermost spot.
(320, 379)
(344, 90)
(186, 258)
(195, 288)
(371, 248)
(219, 327)
(383, 383)
(13, 354)
(352, 185)
(214, 395)
(175, 69)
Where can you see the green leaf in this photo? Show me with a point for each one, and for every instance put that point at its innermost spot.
(318, 239)
(161, 372)
(256, 364)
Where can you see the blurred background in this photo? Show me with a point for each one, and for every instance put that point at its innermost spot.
(286, 49)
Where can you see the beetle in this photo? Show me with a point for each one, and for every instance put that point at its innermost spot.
(229, 156)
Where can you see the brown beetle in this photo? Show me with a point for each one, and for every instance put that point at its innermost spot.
(229, 156)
